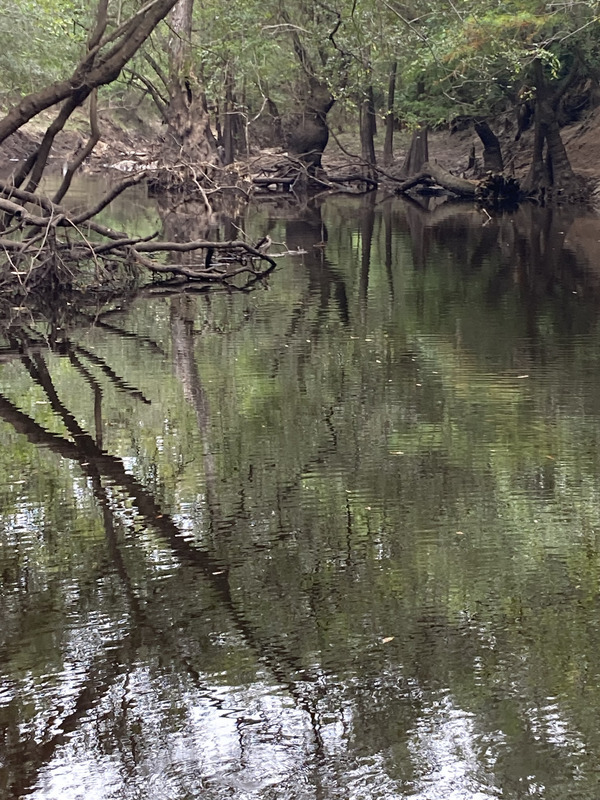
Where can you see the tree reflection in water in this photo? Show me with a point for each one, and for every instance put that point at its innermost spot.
(337, 539)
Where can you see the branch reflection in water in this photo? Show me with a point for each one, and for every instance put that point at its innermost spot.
(333, 539)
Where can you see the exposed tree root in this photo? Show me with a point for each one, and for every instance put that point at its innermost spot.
(499, 191)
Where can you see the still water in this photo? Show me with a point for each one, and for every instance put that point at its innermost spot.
(337, 538)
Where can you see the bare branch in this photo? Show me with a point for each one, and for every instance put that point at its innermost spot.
(118, 189)
(157, 68)
(84, 152)
(91, 72)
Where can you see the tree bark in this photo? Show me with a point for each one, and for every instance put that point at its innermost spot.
(388, 147)
(492, 152)
(367, 132)
(418, 152)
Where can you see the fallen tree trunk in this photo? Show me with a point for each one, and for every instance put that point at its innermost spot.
(494, 190)
(433, 173)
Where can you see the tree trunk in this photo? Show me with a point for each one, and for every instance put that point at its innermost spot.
(189, 127)
(228, 121)
(538, 171)
(550, 166)
(492, 153)
(307, 132)
(388, 147)
(234, 139)
(418, 152)
(367, 132)
(562, 174)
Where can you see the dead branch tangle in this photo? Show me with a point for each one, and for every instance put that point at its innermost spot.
(43, 243)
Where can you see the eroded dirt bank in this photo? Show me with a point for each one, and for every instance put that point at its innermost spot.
(124, 148)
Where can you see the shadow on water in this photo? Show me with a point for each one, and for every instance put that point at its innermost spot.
(335, 539)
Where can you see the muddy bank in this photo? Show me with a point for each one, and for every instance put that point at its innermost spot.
(124, 148)
(117, 143)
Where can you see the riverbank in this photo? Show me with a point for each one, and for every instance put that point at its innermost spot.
(131, 143)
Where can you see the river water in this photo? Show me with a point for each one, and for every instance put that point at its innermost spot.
(336, 538)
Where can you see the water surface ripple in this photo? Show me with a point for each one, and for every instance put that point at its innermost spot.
(334, 539)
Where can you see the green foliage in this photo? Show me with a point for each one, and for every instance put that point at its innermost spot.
(39, 42)
(452, 59)
(476, 61)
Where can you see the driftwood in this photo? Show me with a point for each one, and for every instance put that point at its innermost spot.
(433, 173)
(494, 190)
(370, 183)
(302, 183)
(274, 183)
(44, 245)
(292, 176)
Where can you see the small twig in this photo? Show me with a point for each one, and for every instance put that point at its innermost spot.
(489, 218)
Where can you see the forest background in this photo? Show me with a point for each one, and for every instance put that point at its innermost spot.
(225, 80)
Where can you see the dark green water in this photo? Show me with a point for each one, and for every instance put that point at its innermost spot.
(338, 538)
